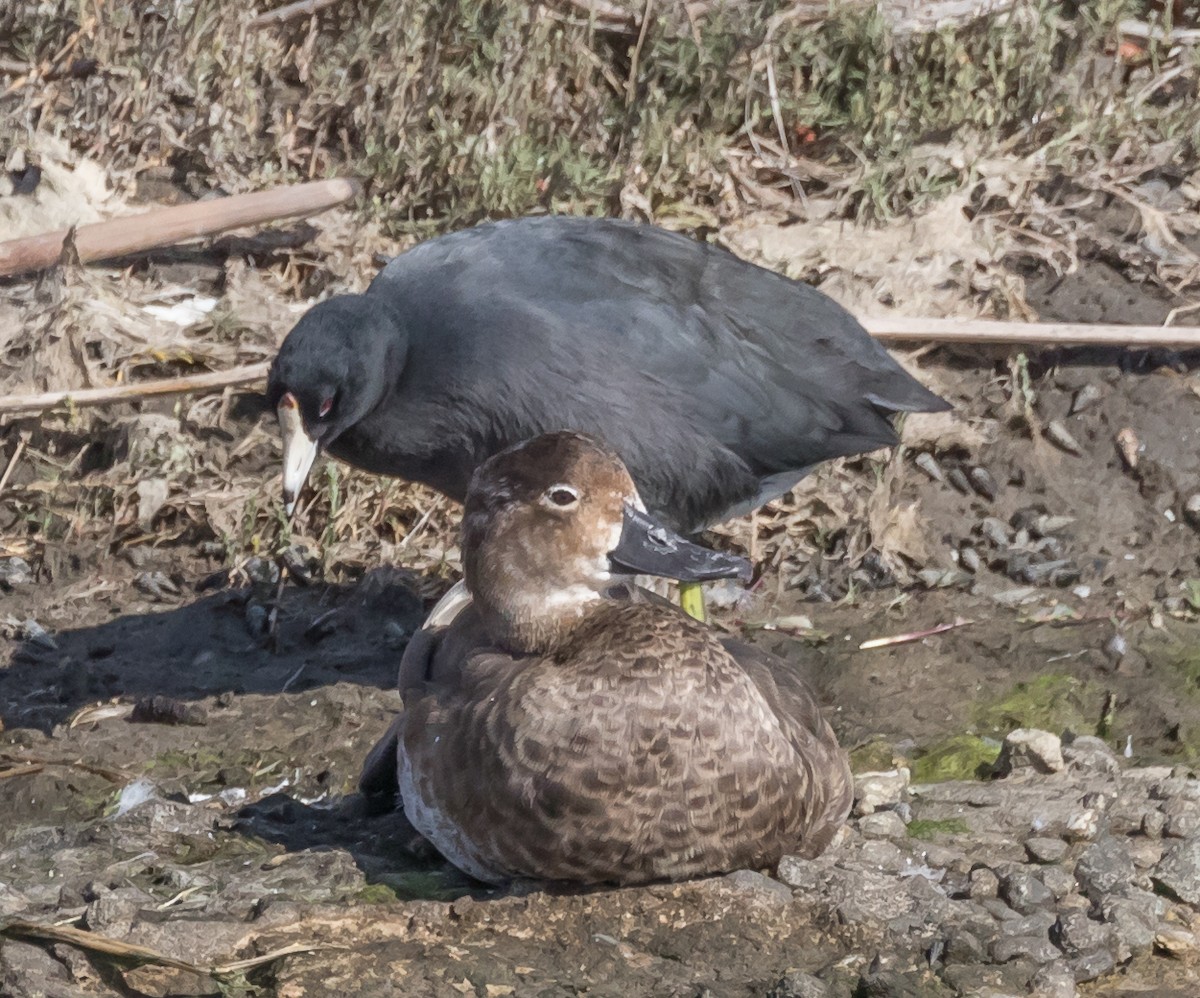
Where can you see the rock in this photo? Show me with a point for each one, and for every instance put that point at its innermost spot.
(883, 825)
(1039, 949)
(1092, 965)
(1153, 824)
(1060, 882)
(761, 887)
(1175, 940)
(800, 873)
(901, 984)
(1134, 916)
(1045, 850)
(1145, 853)
(1029, 748)
(1181, 820)
(882, 856)
(1082, 826)
(1089, 754)
(1077, 935)
(983, 883)
(1178, 875)
(963, 946)
(1025, 893)
(876, 791)
(1104, 867)
(1054, 980)
(14, 571)
(796, 984)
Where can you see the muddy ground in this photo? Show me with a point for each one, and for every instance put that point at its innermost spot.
(175, 779)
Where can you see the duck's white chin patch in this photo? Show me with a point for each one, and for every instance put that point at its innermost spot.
(578, 595)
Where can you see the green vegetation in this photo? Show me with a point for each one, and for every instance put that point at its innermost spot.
(922, 829)
(962, 757)
(1053, 702)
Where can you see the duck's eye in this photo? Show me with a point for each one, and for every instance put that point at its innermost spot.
(562, 496)
(326, 407)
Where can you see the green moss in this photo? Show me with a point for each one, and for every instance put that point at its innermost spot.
(922, 829)
(875, 756)
(1052, 702)
(962, 757)
(424, 885)
(376, 894)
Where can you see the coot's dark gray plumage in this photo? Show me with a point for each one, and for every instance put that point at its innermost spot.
(556, 729)
(718, 382)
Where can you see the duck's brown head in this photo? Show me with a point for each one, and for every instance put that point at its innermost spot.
(549, 526)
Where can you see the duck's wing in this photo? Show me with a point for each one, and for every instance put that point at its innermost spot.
(434, 653)
(830, 788)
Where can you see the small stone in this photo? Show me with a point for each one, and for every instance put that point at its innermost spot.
(14, 571)
(1191, 510)
(983, 884)
(1036, 948)
(963, 947)
(877, 791)
(1060, 882)
(1134, 917)
(1145, 853)
(1029, 748)
(1174, 940)
(1054, 980)
(883, 825)
(1178, 875)
(882, 856)
(958, 478)
(1085, 398)
(761, 887)
(970, 560)
(995, 531)
(1083, 825)
(1104, 867)
(1045, 850)
(1025, 893)
(796, 984)
(1076, 935)
(798, 873)
(256, 617)
(1092, 965)
(984, 484)
(1088, 754)
(1182, 821)
(1153, 824)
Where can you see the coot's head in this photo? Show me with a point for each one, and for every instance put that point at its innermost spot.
(332, 369)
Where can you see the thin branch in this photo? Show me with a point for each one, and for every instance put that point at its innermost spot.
(290, 12)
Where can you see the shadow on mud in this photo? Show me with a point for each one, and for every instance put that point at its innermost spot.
(216, 645)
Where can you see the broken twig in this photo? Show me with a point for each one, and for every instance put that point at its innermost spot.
(168, 226)
(903, 639)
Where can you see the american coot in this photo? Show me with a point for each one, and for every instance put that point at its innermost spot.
(559, 729)
(718, 382)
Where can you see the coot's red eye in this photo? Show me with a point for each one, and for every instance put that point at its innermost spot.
(326, 406)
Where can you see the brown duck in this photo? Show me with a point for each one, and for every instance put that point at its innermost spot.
(560, 724)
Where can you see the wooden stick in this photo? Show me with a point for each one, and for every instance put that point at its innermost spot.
(167, 226)
(292, 10)
(1043, 334)
(10, 404)
(977, 331)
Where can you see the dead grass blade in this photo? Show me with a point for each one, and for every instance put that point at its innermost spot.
(96, 943)
(911, 636)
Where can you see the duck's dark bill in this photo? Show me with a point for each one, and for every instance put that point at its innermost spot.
(649, 548)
